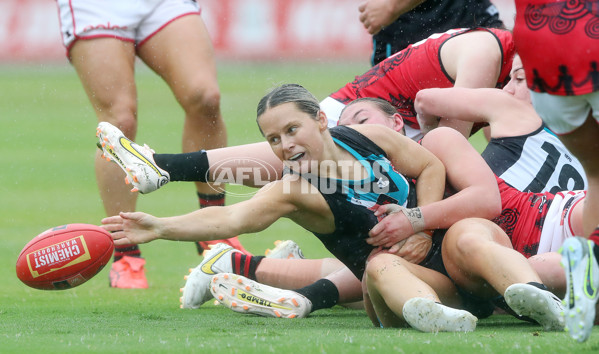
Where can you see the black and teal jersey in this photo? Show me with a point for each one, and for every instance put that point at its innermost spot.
(353, 202)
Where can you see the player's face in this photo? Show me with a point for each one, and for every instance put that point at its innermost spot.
(517, 85)
(365, 113)
(294, 136)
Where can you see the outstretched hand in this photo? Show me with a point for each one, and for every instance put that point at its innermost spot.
(393, 228)
(132, 228)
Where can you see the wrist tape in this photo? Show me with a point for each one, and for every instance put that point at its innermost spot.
(415, 218)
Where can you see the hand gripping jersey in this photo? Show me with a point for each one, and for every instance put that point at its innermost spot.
(398, 78)
(535, 162)
(352, 202)
(558, 42)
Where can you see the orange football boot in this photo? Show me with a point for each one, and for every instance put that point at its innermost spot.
(204, 246)
(128, 273)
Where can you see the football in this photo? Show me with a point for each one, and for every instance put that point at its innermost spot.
(64, 257)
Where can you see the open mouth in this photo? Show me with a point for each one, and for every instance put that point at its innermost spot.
(296, 156)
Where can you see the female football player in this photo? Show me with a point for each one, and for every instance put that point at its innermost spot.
(336, 181)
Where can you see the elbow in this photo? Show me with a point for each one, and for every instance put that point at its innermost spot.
(492, 204)
(420, 102)
(424, 98)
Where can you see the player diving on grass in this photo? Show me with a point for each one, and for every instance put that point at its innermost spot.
(339, 206)
(521, 157)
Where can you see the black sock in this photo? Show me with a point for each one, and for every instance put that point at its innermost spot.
(502, 304)
(323, 294)
(245, 265)
(595, 238)
(538, 285)
(126, 250)
(189, 166)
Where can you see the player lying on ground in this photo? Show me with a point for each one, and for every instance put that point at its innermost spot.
(341, 217)
(521, 154)
(282, 273)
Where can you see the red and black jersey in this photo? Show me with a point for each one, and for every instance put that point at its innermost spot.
(398, 78)
(558, 42)
(522, 217)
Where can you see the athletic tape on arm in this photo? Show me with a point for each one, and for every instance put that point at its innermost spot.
(415, 218)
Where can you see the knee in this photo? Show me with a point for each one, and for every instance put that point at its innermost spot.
(126, 123)
(463, 240)
(202, 100)
(375, 268)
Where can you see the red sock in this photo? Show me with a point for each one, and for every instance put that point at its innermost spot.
(208, 200)
(245, 265)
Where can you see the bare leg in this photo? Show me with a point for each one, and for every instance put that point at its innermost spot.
(182, 55)
(295, 273)
(298, 273)
(349, 287)
(477, 253)
(547, 265)
(106, 69)
(584, 144)
(257, 157)
(391, 281)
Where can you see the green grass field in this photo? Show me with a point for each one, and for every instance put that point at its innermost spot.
(46, 149)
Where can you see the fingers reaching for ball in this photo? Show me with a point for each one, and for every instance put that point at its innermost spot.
(130, 228)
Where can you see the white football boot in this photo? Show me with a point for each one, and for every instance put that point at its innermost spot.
(540, 305)
(197, 286)
(243, 295)
(582, 277)
(285, 250)
(428, 316)
(137, 161)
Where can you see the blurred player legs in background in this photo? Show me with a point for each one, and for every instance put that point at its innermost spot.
(102, 41)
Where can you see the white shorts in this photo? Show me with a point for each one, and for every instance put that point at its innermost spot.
(558, 224)
(564, 114)
(128, 20)
(333, 108)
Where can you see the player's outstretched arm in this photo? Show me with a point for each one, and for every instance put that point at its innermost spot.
(249, 216)
(506, 115)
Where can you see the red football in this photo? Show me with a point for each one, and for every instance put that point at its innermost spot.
(64, 257)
